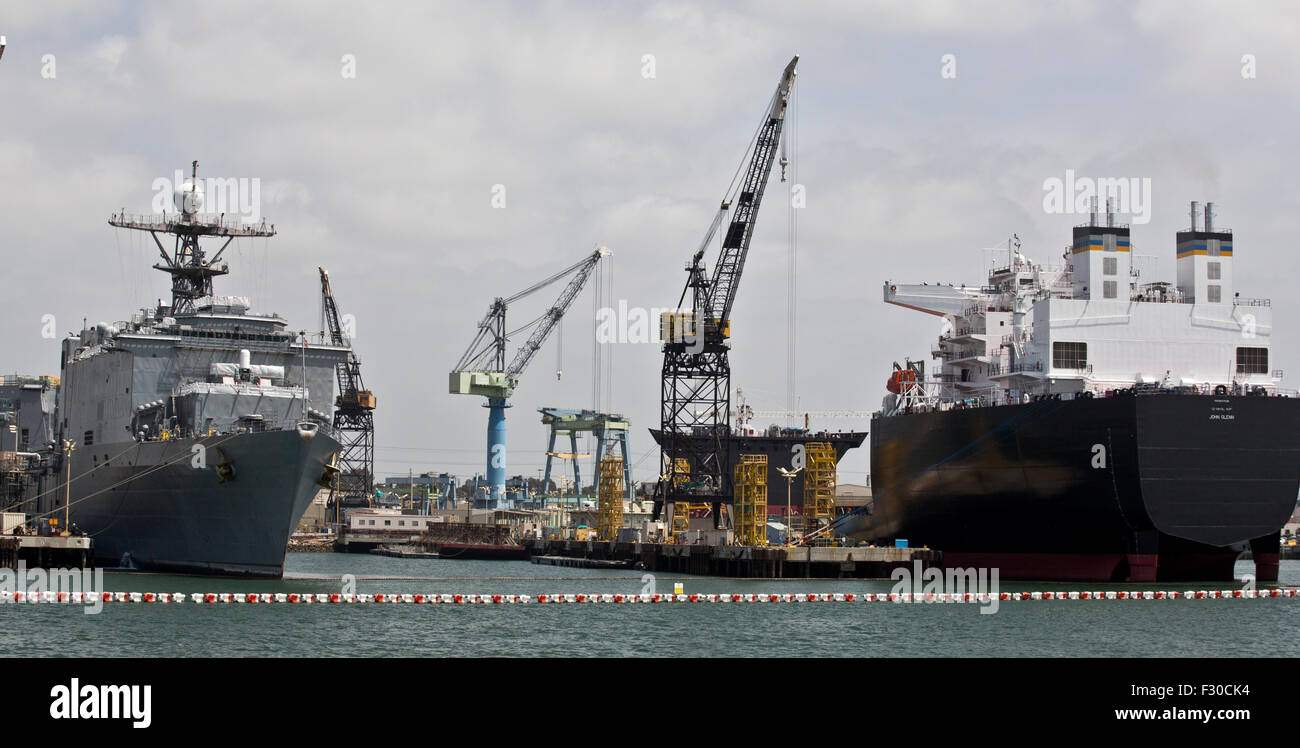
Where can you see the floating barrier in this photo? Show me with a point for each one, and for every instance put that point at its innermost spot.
(388, 598)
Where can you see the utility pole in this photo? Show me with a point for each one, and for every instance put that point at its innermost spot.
(789, 488)
(68, 446)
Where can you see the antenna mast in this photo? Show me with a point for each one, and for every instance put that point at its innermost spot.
(189, 268)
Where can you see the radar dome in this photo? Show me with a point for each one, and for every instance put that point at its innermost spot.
(189, 198)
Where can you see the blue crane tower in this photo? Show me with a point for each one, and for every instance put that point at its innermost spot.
(610, 430)
(482, 370)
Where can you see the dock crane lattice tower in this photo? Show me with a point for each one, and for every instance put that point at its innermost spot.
(354, 411)
(695, 395)
(482, 370)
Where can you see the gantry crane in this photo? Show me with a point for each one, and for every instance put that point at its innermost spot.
(482, 370)
(354, 412)
(610, 429)
(695, 394)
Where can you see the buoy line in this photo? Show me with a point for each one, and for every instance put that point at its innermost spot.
(295, 598)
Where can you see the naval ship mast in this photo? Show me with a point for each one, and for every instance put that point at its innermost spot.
(191, 272)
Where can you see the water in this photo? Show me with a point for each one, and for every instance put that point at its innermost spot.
(1178, 628)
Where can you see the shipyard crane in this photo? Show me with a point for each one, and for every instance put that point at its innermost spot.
(482, 370)
(695, 392)
(354, 411)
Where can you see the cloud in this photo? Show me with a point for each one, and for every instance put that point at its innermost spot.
(386, 178)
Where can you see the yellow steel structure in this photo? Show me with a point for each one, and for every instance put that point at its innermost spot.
(818, 485)
(681, 519)
(609, 498)
(751, 500)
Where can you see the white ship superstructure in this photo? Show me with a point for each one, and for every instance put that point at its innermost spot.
(1089, 325)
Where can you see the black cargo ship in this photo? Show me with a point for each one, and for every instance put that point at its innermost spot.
(1131, 487)
(1084, 426)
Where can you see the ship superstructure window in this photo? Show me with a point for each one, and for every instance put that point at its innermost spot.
(1069, 355)
(1252, 360)
(1213, 271)
(1109, 290)
(1109, 266)
(1213, 294)
(88, 438)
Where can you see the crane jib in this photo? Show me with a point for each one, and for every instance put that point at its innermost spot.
(695, 390)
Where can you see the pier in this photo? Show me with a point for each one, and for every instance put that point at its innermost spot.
(44, 551)
(777, 562)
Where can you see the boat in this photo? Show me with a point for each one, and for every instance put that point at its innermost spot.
(193, 435)
(1085, 425)
(785, 448)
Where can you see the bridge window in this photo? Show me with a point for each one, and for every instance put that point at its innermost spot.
(1252, 360)
(1069, 355)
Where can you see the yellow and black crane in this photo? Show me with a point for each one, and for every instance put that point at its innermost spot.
(354, 414)
(695, 395)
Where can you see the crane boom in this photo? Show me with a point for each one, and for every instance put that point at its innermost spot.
(695, 389)
(482, 369)
(735, 243)
(553, 315)
(354, 421)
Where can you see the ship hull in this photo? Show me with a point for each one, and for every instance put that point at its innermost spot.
(781, 452)
(1127, 488)
(154, 507)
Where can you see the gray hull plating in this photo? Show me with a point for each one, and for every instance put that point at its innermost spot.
(166, 507)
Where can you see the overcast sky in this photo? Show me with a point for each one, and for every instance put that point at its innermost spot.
(386, 178)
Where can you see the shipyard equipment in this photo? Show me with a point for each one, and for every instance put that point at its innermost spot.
(609, 497)
(695, 394)
(609, 429)
(483, 370)
(354, 412)
(818, 486)
(751, 500)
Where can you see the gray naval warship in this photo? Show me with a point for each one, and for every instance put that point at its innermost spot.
(195, 434)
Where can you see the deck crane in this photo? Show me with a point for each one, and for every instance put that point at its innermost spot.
(695, 393)
(354, 411)
(482, 370)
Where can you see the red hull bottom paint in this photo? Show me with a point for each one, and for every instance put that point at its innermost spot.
(1109, 567)
(1060, 566)
(1142, 567)
(1266, 566)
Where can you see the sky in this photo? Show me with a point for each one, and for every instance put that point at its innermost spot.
(384, 135)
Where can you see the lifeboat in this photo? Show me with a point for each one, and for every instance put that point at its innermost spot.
(898, 379)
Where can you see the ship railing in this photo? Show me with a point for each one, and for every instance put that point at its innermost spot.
(166, 221)
(1016, 368)
(1238, 301)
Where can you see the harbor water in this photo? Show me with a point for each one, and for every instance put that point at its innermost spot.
(1105, 628)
